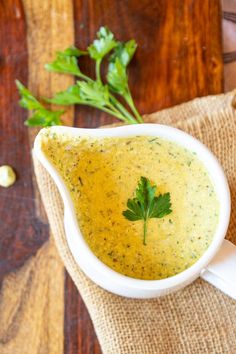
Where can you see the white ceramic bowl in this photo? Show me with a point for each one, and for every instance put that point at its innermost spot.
(118, 283)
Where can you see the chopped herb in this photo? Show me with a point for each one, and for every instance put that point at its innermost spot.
(154, 139)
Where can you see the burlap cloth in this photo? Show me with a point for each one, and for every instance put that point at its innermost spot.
(197, 319)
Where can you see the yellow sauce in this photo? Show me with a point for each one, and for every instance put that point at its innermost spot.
(101, 174)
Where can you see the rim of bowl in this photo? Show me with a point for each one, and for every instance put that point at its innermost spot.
(166, 132)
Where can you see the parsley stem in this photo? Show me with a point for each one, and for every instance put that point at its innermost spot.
(130, 102)
(109, 110)
(145, 232)
(126, 117)
(85, 77)
(116, 113)
(122, 109)
(98, 73)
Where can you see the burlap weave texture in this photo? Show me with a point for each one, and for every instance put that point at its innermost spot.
(198, 319)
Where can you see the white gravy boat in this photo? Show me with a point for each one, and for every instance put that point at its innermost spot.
(218, 263)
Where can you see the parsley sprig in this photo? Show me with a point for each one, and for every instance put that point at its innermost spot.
(146, 205)
(87, 91)
(41, 116)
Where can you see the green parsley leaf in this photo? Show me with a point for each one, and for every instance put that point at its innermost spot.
(65, 65)
(27, 99)
(90, 93)
(66, 62)
(41, 116)
(73, 52)
(117, 77)
(94, 92)
(67, 97)
(145, 205)
(35, 121)
(124, 51)
(44, 118)
(103, 45)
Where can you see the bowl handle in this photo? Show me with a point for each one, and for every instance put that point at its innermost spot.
(221, 272)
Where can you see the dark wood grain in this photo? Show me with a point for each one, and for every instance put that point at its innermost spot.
(179, 51)
(22, 233)
(178, 58)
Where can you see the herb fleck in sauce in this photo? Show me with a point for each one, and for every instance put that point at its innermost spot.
(102, 173)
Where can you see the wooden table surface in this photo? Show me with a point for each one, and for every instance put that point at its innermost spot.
(179, 57)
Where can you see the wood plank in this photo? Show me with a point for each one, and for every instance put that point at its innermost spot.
(31, 306)
(22, 232)
(32, 298)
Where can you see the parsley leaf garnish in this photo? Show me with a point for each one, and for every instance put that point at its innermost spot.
(145, 205)
(41, 116)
